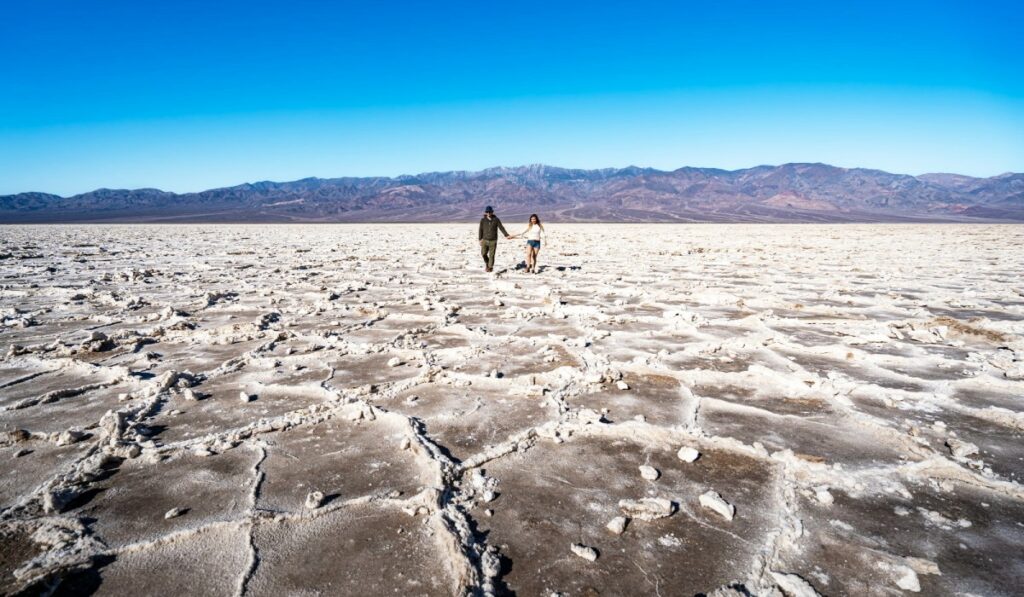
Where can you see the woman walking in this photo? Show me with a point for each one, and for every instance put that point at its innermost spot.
(533, 233)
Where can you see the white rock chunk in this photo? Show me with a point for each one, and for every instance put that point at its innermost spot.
(714, 502)
(315, 499)
(168, 379)
(822, 495)
(587, 553)
(112, 425)
(908, 580)
(961, 449)
(649, 472)
(729, 590)
(174, 513)
(647, 508)
(622, 385)
(70, 436)
(246, 397)
(687, 454)
(793, 585)
(617, 525)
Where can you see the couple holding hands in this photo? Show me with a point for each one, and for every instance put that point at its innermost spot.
(488, 237)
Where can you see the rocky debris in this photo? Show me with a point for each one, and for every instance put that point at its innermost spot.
(167, 380)
(96, 342)
(125, 450)
(714, 502)
(71, 436)
(617, 525)
(15, 436)
(246, 396)
(823, 496)
(622, 385)
(112, 427)
(961, 449)
(175, 512)
(315, 499)
(68, 547)
(482, 487)
(908, 580)
(416, 510)
(647, 508)
(793, 585)
(731, 590)
(394, 362)
(57, 499)
(14, 318)
(16, 349)
(211, 298)
(89, 469)
(920, 332)
(649, 473)
(688, 454)
(1009, 362)
(589, 416)
(587, 553)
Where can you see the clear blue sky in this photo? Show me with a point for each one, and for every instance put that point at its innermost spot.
(185, 95)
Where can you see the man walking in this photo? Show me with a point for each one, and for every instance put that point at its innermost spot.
(488, 236)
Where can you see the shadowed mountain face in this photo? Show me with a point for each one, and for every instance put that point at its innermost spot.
(787, 193)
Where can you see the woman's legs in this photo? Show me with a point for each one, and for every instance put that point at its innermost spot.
(529, 256)
(534, 251)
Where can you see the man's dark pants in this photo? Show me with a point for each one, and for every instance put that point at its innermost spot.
(487, 250)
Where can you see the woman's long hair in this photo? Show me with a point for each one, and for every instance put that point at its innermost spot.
(530, 221)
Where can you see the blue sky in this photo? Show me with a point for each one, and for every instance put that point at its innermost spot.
(189, 95)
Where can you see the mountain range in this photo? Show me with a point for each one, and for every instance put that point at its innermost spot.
(785, 193)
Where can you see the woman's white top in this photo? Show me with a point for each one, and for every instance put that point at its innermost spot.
(532, 233)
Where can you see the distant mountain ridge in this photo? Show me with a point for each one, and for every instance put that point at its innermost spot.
(785, 193)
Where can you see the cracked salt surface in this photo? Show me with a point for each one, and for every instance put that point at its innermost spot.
(721, 410)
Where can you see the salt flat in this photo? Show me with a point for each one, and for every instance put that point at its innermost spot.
(360, 409)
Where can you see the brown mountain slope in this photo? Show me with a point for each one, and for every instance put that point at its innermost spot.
(790, 192)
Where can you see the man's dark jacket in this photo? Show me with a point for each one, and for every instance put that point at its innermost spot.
(489, 228)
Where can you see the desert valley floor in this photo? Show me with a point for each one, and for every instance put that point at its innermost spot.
(361, 410)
